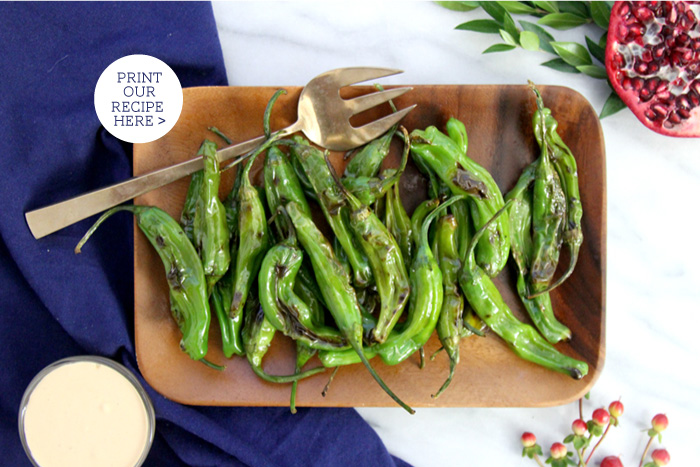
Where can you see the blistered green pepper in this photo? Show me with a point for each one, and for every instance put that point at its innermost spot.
(186, 282)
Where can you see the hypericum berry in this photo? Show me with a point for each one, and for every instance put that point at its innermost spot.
(528, 439)
(616, 408)
(659, 423)
(579, 427)
(660, 457)
(601, 417)
(611, 461)
(558, 451)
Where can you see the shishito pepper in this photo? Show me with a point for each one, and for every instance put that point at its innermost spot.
(210, 232)
(523, 339)
(443, 156)
(545, 127)
(335, 287)
(257, 336)
(183, 269)
(334, 208)
(539, 307)
(385, 259)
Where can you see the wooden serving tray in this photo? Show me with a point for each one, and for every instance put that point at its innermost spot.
(498, 121)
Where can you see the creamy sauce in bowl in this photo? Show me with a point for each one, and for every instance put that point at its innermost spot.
(86, 411)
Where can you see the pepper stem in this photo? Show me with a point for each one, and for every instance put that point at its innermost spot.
(281, 379)
(127, 207)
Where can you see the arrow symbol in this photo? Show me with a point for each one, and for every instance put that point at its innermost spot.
(162, 120)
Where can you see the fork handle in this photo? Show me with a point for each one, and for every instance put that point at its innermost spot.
(52, 218)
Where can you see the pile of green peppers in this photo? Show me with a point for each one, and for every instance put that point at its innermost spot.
(260, 263)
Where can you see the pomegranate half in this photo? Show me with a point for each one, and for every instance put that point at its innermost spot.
(653, 63)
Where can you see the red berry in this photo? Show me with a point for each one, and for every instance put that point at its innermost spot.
(528, 440)
(558, 451)
(616, 409)
(611, 461)
(601, 417)
(659, 422)
(661, 457)
(579, 427)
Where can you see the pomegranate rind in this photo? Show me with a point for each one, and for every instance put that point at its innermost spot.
(670, 108)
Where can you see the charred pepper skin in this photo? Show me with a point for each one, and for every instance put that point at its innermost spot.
(183, 269)
(336, 289)
(399, 224)
(257, 337)
(334, 209)
(523, 339)
(283, 308)
(463, 176)
(210, 231)
(385, 259)
(449, 325)
(539, 308)
(566, 167)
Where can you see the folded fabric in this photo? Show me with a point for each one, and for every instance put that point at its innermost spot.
(54, 304)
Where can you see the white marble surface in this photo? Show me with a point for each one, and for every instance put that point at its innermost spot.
(653, 279)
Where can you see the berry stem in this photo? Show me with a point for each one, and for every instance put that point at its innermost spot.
(607, 428)
(580, 408)
(538, 460)
(646, 450)
(580, 457)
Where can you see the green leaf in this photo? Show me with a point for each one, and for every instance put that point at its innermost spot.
(596, 50)
(509, 25)
(594, 71)
(572, 53)
(600, 11)
(547, 6)
(517, 8)
(545, 37)
(577, 8)
(560, 65)
(459, 6)
(488, 26)
(562, 21)
(498, 48)
(603, 42)
(569, 439)
(495, 11)
(507, 38)
(529, 41)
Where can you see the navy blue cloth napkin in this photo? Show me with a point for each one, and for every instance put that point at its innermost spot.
(54, 304)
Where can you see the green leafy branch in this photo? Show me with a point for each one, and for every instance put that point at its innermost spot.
(571, 57)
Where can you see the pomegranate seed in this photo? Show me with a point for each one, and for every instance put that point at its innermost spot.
(659, 51)
(673, 117)
(696, 45)
(641, 68)
(646, 55)
(643, 14)
(622, 30)
(625, 9)
(672, 15)
(650, 115)
(637, 84)
(691, 16)
(694, 99)
(652, 68)
(682, 102)
(652, 84)
(684, 113)
(637, 29)
(626, 83)
(660, 110)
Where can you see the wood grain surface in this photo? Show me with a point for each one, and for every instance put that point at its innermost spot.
(498, 121)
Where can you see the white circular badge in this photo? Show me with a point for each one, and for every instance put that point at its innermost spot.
(138, 98)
